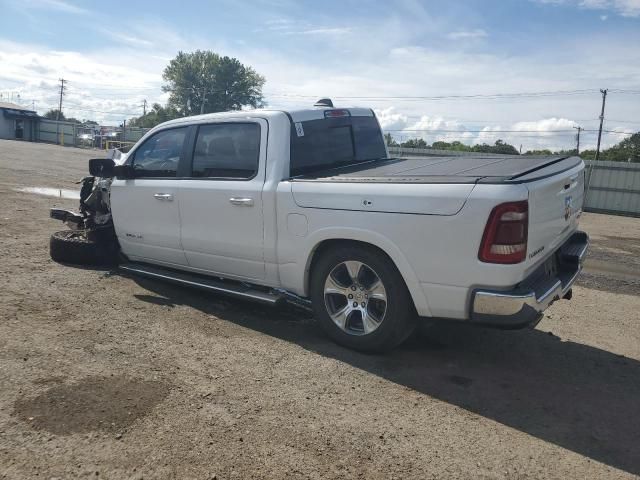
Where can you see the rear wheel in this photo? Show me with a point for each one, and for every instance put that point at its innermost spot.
(360, 299)
(73, 246)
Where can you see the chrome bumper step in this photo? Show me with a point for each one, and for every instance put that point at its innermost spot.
(524, 304)
(201, 282)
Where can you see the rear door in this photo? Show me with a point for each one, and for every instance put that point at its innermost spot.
(221, 201)
(145, 209)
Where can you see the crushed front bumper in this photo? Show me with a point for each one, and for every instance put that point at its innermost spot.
(524, 304)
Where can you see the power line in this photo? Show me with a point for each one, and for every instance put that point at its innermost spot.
(629, 92)
(133, 114)
(446, 97)
(496, 135)
(622, 121)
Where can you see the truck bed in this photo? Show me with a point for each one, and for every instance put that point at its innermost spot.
(453, 169)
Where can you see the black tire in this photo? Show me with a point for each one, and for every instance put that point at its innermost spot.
(400, 318)
(73, 246)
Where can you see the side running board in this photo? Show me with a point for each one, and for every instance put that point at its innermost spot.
(201, 282)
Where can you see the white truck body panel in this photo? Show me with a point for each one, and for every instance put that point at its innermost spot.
(431, 231)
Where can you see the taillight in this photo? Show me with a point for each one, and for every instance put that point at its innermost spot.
(505, 236)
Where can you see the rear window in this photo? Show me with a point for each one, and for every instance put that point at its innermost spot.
(335, 142)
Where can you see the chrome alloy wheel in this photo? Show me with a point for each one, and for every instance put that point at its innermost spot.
(355, 297)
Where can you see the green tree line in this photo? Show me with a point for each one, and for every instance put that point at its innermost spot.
(628, 150)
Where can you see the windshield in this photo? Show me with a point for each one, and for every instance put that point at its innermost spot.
(335, 142)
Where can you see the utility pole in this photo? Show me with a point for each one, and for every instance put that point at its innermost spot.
(579, 128)
(604, 99)
(124, 133)
(144, 107)
(62, 80)
(586, 192)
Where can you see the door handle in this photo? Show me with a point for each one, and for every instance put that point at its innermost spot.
(167, 197)
(241, 202)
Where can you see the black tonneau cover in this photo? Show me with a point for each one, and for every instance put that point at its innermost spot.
(458, 169)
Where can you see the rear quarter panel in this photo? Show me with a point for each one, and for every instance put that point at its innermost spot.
(436, 254)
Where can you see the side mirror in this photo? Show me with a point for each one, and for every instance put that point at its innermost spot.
(101, 167)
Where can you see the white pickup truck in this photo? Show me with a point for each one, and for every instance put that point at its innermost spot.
(270, 205)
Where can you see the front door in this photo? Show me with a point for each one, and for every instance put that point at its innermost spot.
(221, 202)
(19, 129)
(146, 209)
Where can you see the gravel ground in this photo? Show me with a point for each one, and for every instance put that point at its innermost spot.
(106, 376)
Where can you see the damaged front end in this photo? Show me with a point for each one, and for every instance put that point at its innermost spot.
(91, 238)
(95, 210)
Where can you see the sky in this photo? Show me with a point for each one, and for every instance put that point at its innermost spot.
(457, 60)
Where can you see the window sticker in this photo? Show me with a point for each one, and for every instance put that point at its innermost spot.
(299, 129)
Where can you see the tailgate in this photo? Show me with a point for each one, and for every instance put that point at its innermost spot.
(555, 206)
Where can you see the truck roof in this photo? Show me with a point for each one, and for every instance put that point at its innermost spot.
(296, 115)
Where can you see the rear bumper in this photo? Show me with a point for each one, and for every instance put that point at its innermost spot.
(524, 304)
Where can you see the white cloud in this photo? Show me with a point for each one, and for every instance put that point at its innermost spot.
(467, 34)
(126, 39)
(59, 5)
(323, 31)
(287, 26)
(95, 86)
(550, 133)
(626, 8)
(391, 120)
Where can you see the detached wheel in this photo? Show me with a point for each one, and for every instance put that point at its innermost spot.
(73, 246)
(360, 299)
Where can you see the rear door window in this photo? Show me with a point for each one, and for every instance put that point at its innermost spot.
(226, 150)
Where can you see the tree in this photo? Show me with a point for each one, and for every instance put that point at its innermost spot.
(544, 151)
(156, 115)
(203, 81)
(389, 140)
(455, 145)
(415, 143)
(503, 147)
(628, 150)
(53, 115)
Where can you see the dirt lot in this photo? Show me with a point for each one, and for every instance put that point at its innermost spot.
(106, 376)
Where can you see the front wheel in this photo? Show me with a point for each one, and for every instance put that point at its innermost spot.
(360, 299)
(76, 247)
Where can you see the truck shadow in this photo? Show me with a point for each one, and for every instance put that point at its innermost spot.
(579, 397)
